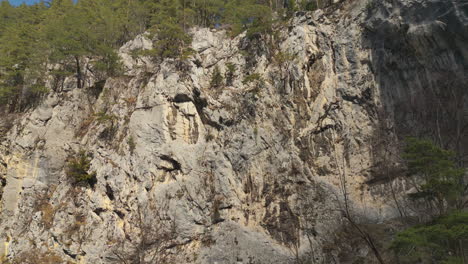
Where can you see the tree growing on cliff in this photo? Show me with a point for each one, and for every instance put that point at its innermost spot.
(80, 38)
(248, 15)
(443, 240)
(168, 23)
(439, 183)
(216, 78)
(436, 177)
(79, 169)
(87, 29)
(21, 65)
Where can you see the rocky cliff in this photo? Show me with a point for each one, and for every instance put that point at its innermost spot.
(263, 167)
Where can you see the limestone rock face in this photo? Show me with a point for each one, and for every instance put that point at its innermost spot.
(254, 170)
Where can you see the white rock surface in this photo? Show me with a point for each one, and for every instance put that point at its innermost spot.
(245, 173)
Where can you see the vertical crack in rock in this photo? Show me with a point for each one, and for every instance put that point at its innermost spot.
(263, 155)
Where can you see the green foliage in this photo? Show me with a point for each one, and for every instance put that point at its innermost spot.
(442, 179)
(97, 88)
(440, 184)
(21, 63)
(441, 241)
(247, 15)
(453, 260)
(69, 34)
(168, 24)
(60, 33)
(309, 5)
(109, 63)
(231, 68)
(66, 32)
(87, 29)
(231, 71)
(34, 93)
(131, 144)
(7, 94)
(291, 7)
(253, 78)
(171, 40)
(256, 80)
(38, 89)
(186, 53)
(102, 117)
(281, 58)
(78, 169)
(216, 78)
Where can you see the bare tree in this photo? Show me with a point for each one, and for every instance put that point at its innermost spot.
(347, 209)
(155, 237)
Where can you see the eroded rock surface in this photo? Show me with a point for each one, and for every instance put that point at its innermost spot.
(250, 172)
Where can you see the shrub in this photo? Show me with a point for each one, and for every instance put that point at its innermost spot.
(78, 169)
(186, 53)
(231, 70)
(131, 144)
(283, 57)
(109, 64)
(257, 81)
(252, 17)
(215, 214)
(255, 77)
(434, 242)
(171, 42)
(32, 95)
(102, 117)
(310, 6)
(291, 8)
(209, 137)
(216, 78)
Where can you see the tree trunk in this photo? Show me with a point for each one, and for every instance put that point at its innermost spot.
(79, 81)
(347, 210)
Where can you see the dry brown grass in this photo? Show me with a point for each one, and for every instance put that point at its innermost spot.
(85, 125)
(131, 101)
(48, 213)
(37, 257)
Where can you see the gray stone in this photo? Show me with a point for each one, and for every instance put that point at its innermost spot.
(247, 172)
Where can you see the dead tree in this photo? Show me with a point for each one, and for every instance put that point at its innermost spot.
(347, 209)
(154, 238)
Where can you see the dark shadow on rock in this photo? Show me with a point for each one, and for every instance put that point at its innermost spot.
(419, 55)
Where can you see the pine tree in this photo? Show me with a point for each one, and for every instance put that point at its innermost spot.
(443, 240)
(167, 26)
(442, 180)
(216, 78)
(21, 64)
(69, 33)
(67, 36)
(247, 15)
(440, 183)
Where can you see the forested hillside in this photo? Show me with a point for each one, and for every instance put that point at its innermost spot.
(55, 37)
(234, 131)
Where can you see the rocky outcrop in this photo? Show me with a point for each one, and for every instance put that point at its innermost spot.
(257, 170)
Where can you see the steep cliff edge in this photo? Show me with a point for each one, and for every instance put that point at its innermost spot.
(253, 170)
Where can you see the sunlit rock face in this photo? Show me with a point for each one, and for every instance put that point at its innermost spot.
(259, 169)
